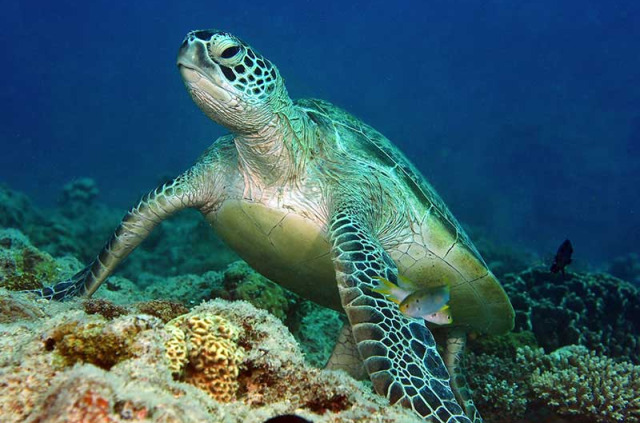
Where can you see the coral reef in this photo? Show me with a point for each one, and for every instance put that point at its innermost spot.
(203, 350)
(241, 282)
(187, 289)
(313, 326)
(316, 329)
(80, 226)
(163, 310)
(16, 210)
(503, 345)
(502, 382)
(49, 371)
(92, 339)
(115, 358)
(571, 381)
(77, 196)
(105, 308)
(19, 308)
(23, 267)
(598, 311)
(626, 267)
(181, 245)
(579, 382)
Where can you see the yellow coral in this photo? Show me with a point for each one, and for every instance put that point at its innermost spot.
(203, 350)
(176, 349)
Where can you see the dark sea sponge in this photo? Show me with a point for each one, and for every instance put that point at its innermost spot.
(596, 310)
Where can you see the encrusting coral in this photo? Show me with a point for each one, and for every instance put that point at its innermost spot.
(203, 351)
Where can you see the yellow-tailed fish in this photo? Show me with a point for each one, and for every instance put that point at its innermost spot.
(425, 302)
(440, 317)
(392, 291)
(407, 284)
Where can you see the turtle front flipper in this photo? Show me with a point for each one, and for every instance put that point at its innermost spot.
(136, 225)
(399, 352)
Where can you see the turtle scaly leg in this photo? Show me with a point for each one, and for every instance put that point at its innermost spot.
(345, 355)
(136, 225)
(456, 342)
(399, 352)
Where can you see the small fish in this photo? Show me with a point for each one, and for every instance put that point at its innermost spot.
(440, 317)
(396, 293)
(562, 258)
(425, 302)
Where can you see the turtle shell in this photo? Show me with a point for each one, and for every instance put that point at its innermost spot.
(440, 251)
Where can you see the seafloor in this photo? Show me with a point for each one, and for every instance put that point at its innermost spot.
(170, 340)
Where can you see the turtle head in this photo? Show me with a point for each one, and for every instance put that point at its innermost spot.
(232, 83)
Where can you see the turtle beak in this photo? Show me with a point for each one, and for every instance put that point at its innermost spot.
(188, 56)
(193, 56)
(200, 73)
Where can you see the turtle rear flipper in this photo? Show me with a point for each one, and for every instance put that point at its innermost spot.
(72, 287)
(456, 342)
(136, 225)
(345, 355)
(399, 352)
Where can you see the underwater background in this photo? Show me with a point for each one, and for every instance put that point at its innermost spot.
(524, 116)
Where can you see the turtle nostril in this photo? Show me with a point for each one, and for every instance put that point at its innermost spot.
(204, 35)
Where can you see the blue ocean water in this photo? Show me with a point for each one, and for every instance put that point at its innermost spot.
(524, 116)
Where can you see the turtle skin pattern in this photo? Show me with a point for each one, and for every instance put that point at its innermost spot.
(399, 352)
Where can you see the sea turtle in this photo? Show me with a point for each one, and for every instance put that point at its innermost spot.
(315, 200)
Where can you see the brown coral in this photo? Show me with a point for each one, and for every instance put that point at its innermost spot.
(163, 310)
(103, 307)
(202, 350)
(97, 341)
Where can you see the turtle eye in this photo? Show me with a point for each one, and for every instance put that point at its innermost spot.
(229, 52)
